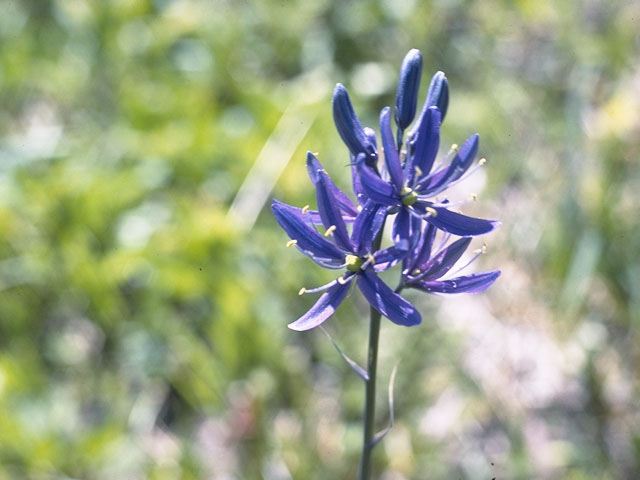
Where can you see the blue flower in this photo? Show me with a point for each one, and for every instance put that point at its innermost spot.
(426, 265)
(408, 181)
(337, 249)
(412, 186)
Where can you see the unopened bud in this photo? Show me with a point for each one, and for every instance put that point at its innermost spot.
(408, 86)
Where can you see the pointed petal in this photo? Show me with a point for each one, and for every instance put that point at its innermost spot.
(348, 124)
(377, 189)
(474, 283)
(367, 225)
(309, 241)
(390, 256)
(391, 158)
(425, 145)
(458, 166)
(323, 308)
(402, 226)
(330, 211)
(444, 260)
(386, 301)
(408, 85)
(455, 223)
(356, 183)
(422, 250)
(315, 168)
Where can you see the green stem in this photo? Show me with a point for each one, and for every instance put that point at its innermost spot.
(370, 396)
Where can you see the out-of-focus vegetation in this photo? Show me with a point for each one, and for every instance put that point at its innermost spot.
(145, 292)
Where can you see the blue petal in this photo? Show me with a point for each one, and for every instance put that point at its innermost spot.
(309, 241)
(475, 283)
(330, 213)
(367, 225)
(348, 124)
(402, 227)
(459, 165)
(444, 260)
(408, 85)
(390, 256)
(391, 157)
(455, 223)
(376, 189)
(425, 144)
(315, 169)
(422, 251)
(323, 308)
(438, 94)
(358, 189)
(386, 301)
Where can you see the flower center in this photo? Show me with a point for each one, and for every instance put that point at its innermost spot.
(409, 197)
(353, 262)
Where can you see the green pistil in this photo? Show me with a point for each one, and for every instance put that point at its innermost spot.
(409, 197)
(353, 262)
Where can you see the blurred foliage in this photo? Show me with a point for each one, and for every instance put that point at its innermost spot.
(143, 326)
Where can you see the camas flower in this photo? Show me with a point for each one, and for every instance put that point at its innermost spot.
(336, 249)
(408, 182)
(428, 267)
(387, 181)
(411, 188)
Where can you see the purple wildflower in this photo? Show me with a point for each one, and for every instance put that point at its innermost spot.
(428, 267)
(336, 249)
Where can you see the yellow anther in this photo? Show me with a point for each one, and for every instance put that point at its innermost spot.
(432, 212)
(291, 243)
(372, 259)
(418, 170)
(482, 161)
(330, 231)
(316, 154)
(482, 249)
(455, 147)
(359, 208)
(302, 291)
(474, 197)
(341, 280)
(305, 209)
(415, 272)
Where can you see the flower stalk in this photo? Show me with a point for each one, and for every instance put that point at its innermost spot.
(428, 237)
(370, 396)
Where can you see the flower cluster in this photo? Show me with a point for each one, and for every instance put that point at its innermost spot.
(399, 181)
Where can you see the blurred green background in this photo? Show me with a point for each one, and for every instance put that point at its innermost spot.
(145, 287)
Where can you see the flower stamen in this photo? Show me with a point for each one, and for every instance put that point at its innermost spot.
(305, 209)
(291, 243)
(431, 212)
(330, 231)
(302, 291)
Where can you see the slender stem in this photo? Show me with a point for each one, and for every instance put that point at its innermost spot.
(370, 396)
(370, 386)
